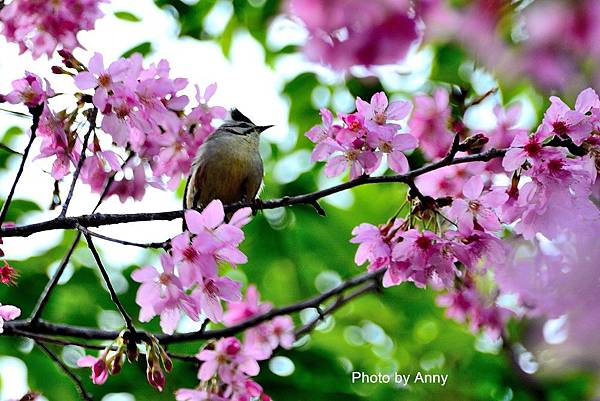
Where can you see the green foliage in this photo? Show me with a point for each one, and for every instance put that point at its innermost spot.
(144, 49)
(127, 16)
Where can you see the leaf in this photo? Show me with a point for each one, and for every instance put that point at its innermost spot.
(143, 48)
(19, 207)
(127, 16)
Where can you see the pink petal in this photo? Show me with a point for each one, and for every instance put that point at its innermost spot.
(9, 312)
(208, 370)
(213, 214)
(473, 187)
(513, 159)
(87, 361)
(85, 80)
(398, 162)
(336, 166)
(379, 102)
(399, 110)
(404, 142)
(96, 64)
(169, 319)
(194, 221)
(147, 273)
(586, 100)
(229, 290)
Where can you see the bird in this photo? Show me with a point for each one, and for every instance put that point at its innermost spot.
(227, 165)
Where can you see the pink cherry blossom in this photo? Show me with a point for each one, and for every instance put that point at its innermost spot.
(30, 91)
(8, 312)
(162, 294)
(41, 27)
(393, 145)
(238, 312)
(420, 257)
(101, 79)
(98, 365)
(8, 274)
(375, 243)
(567, 123)
(448, 181)
(216, 236)
(227, 357)
(429, 123)
(504, 133)
(477, 207)
(527, 147)
(57, 141)
(211, 291)
(379, 112)
(379, 32)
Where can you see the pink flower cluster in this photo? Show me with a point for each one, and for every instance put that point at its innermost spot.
(188, 281)
(143, 110)
(553, 172)
(42, 26)
(363, 138)
(557, 196)
(344, 33)
(232, 362)
(228, 362)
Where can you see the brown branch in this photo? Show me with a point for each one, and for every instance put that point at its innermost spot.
(19, 327)
(36, 112)
(98, 219)
(84, 394)
(155, 245)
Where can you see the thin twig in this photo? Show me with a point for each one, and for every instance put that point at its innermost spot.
(36, 112)
(113, 294)
(84, 394)
(338, 303)
(98, 219)
(43, 300)
(45, 296)
(155, 245)
(86, 138)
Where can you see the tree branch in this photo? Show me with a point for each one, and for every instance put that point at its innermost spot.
(36, 112)
(155, 245)
(98, 219)
(24, 327)
(84, 394)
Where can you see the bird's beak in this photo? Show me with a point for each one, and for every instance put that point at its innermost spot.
(261, 128)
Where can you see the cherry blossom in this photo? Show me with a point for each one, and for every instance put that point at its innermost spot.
(8, 312)
(8, 274)
(478, 207)
(429, 123)
(162, 294)
(98, 365)
(30, 91)
(41, 27)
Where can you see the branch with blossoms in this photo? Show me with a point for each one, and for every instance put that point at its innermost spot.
(142, 131)
(397, 251)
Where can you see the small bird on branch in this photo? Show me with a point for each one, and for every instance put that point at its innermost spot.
(228, 165)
